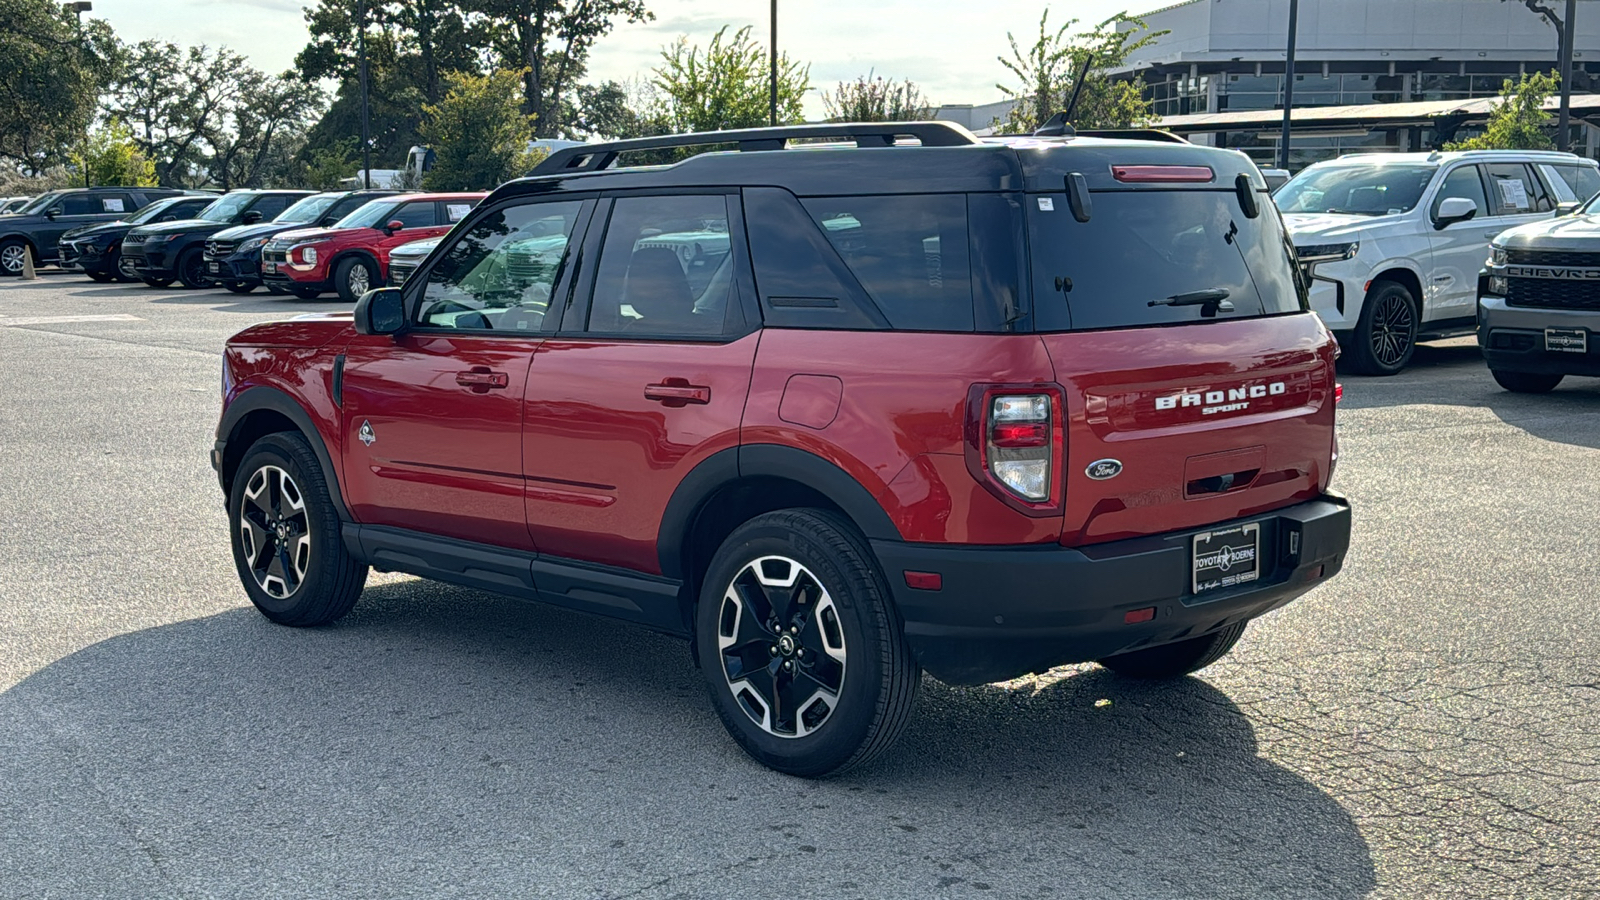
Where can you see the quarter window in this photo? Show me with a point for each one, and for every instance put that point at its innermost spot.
(666, 268)
(500, 274)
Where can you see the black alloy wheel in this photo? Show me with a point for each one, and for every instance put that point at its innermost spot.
(192, 269)
(1386, 333)
(275, 532)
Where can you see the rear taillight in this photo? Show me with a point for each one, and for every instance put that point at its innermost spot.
(1016, 444)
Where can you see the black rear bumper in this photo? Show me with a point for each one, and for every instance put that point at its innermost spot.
(1007, 611)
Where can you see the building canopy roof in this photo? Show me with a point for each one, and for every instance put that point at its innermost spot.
(1372, 114)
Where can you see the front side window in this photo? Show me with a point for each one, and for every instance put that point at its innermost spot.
(910, 253)
(666, 268)
(80, 205)
(228, 207)
(369, 215)
(500, 274)
(1463, 182)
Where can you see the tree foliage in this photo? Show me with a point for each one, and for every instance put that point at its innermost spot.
(549, 41)
(1048, 72)
(620, 110)
(112, 157)
(1519, 122)
(51, 76)
(869, 99)
(478, 132)
(726, 84)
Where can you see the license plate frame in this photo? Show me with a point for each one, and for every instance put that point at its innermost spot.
(214, 268)
(269, 268)
(1225, 558)
(1566, 340)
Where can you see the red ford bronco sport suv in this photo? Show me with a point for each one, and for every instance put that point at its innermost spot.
(839, 414)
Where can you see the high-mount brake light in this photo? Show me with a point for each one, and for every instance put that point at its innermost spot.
(1163, 174)
(1016, 444)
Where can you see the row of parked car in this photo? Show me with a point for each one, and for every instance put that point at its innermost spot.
(291, 242)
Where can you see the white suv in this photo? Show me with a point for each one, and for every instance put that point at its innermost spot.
(1393, 243)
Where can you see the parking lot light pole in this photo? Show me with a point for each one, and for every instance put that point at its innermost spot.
(1564, 120)
(1288, 86)
(773, 94)
(80, 7)
(361, 52)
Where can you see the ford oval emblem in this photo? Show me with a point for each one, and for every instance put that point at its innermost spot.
(1102, 469)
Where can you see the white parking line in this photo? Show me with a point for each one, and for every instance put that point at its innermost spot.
(10, 321)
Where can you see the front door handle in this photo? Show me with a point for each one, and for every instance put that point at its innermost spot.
(677, 392)
(481, 380)
(1493, 233)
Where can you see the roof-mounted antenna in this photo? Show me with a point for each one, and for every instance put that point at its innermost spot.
(1056, 127)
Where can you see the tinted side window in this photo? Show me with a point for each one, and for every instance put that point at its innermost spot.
(345, 207)
(910, 252)
(1583, 180)
(424, 214)
(666, 267)
(801, 280)
(115, 203)
(1511, 191)
(1463, 182)
(271, 204)
(187, 209)
(500, 274)
(80, 205)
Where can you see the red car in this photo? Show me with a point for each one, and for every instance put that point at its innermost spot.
(838, 415)
(352, 256)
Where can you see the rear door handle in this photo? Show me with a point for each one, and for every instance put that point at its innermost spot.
(677, 392)
(481, 380)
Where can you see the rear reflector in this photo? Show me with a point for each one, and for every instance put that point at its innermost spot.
(1021, 434)
(1338, 392)
(1163, 174)
(1140, 615)
(924, 581)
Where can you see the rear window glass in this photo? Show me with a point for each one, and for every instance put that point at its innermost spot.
(910, 252)
(1149, 247)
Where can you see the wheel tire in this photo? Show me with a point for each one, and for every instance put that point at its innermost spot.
(1526, 382)
(317, 579)
(192, 269)
(101, 277)
(12, 253)
(239, 287)
(306, 293)
(353, 277)
(126, 273)
(843, 600)
(1386, 333)
(1176, 660)
(156, 282)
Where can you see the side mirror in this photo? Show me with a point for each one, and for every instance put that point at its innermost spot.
(1568, 208)
(251, 217)
(380, 311)
(1453, 210)
(393, 226)
(52, 212)
(327, 221)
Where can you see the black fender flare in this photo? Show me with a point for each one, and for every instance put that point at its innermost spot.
(756, 460)
(262, 397)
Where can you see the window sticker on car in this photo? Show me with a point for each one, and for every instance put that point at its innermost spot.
(113, 204)
(1513, 193)
(457, 211)
(1047, 204)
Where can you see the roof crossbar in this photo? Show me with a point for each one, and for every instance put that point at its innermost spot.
(593, 157)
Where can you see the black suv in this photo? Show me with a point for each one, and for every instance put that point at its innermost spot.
(233, 255)
(40, 225)
(96, 250)
(173, 251)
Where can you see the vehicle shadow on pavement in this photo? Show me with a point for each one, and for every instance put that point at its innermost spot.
(444, 742)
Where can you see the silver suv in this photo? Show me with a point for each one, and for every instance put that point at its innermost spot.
(1393, 243)
(1539, 306)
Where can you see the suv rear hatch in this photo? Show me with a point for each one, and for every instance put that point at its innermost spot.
(1199, 389)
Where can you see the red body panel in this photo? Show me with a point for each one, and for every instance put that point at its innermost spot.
(295, 357)
(602, 459)
(447, 456)
(898, 431)
(334, 243)
(1114, 380)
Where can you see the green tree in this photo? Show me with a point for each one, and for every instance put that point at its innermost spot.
(726, 84)
(479, 132)
(1519, 122)
(620, 110)
(549, 41)
(1048, 71)
(869, 99)
(51, 77)
(112, 157)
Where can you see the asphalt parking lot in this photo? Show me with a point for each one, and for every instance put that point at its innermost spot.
(1427, 725)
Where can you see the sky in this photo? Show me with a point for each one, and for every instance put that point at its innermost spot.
(948, 48)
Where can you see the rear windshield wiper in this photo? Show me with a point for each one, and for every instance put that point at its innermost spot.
(1210, 301)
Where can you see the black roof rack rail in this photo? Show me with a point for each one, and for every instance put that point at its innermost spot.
(593, 157)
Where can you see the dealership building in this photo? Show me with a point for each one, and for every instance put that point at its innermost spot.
(1369, 75)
